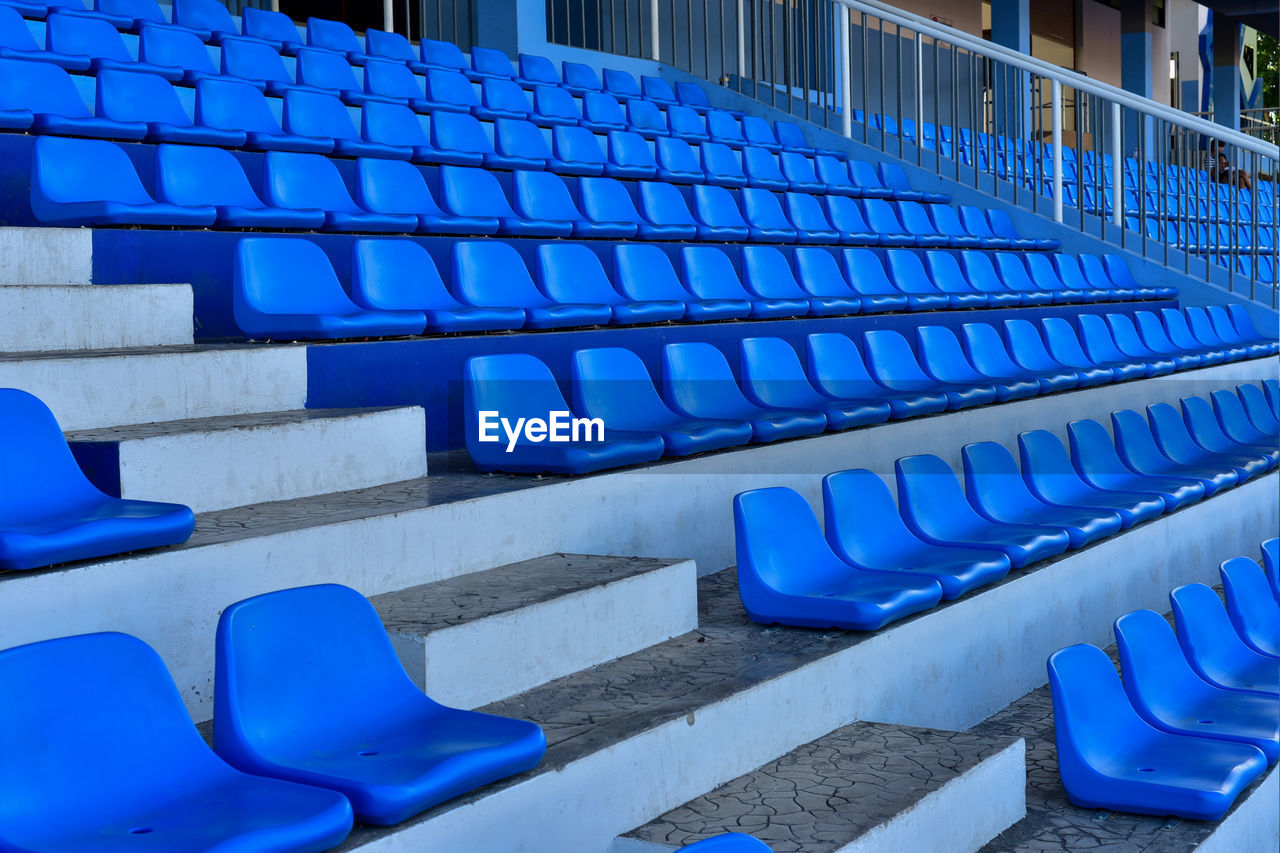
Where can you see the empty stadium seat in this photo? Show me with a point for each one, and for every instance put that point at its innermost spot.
(772, 377)
(836, 368)
(1138, 447)
(934, 508)
(1180, 442)
(579, 78)
(81, 35)
(276, 28)
(320, 657)
(1271, 564)
(989, 355)
(42, 97)
(236, 105)
(443, 54)
(1099, 464)
(1047, 468)
(1236, 426)
(577, 152)
(943, 358)
(1110, 758)
(489, 62)
(645, 273)
(258, 63)
(663, 208)
(1258, 409)
(604, 200)
(122, 759)
(788, 574)
(1254, 611)
(1214, 649)
(398, 188)
(490, 274)
(311, 182)
(193, 176)
(767, 275)
(611, 383)
(205, 16)
(572, 273)
(399, 275)
(543, 197)
(335, 36)
(863, 528)
(709, 274)
(1065, 346)
(129, 97)
(17, 42)
(677, 163)
(766, 223)
(819, 276)
(1209, 432)
(895, 366)
(519, 387)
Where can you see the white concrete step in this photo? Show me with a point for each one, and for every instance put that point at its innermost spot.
(488, 635)
(135, 386)
(41, 318)
(862, 788)
(46, 256)
(239, 460)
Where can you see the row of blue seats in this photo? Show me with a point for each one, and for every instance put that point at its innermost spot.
(93, 182)
(1193, 722)
(878, 562)
(316, 725)
(287, 289)
(703, 406)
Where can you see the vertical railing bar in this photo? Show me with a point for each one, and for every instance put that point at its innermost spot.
(1055, 94)
(918, 74)
(843, 63)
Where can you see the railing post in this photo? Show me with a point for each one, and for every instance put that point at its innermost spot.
(742, 41)
(919, 112)
(1117, 167)
(842, 68)
(654, 31)
(1056, 99)
(388, 15)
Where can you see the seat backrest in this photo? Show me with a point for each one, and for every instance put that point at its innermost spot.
(975, 221)
(490, 60)
(224, 103)
(604, 109)
(442, 54)
(709, 274)
(1157, 677)
(915, 219)
(644, 273)
(720, 163)
(945, 219)
(1097, 339)
(1250, 603)
(201, 175)
(657, 90)
(1069, 271)
(613, 384)
(14, 32)
(1210, 642)
(579, 76)
(40, 87)
(944, 357)
(325, 69)
(138, 10)
(618, 82)
(766, 273)
(1136, 442)
(715, 206)
(333, 35)
(994, 483)
(318, 115)
(208, 15)
(862, 520)
(131, 96)
(692, 95)
(988, 351)
(760, 207)
(945, 272)
(908, 272)
(1202, 327)
(819, 273)
(1095, 273)
(517, 137)
(576, 145)
(758, 131)
(865, 175)
(1028, 347)
(445, 86)
(761, 164)
(1001, 224)
(724, 127)
(677, 157)
(554, 102)
(930, 497)
(35, 454)
(1222, 325)
(542, 195)
(1093, 452)
(1064, 343)
(571, 272)
(780, 546)
(392, 124)
(979, 272)
(881, 216)
(459, 132)
(865, 273)
(1093, 719)
(389, 45)
(645, 116)
(538, 69)
(630, 150)
(174, 47)
(288, 275)
(391, 78)
(304, 182)
(491, 273)
(67, 168)
(78, 35)
(468, 191)
(892, 360)
(797, 167)
(397, 275)
(697, 379)
(804, 212)
(662, 204)
(393, 186)
(275, 26)
(791, 136)
(683, 121)
(606, 200)
(251, 59)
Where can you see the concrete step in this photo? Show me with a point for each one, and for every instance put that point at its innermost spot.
(112, 388)
(39, 318)
(1052, 823)
(239, 460)
(46, 256)
(864, 787)
(487, 635)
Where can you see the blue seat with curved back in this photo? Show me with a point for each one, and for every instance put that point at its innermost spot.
(933, 505)
(975, 222)
(1110, 758)
(846, 218)
(322, 116)
(536, 70)
(1271, 564)
(811, 224)
(229, 104)
(629, 156)
(835, 367)
(1223, 325)
(1254, 611)
(191, 175)
(943, 358)
(572, 273)
(997, 490)
(698, 383)
(894, 365)
(284, 288)
(17, 42)
(1235, 425)
(553, 106)
(397, 187)
(543, 197)
(722, 126)
(692, 95)
(312, 182)
(864, 529)
(819, 276)
(766, 223)
(644, 273)
(1042, 272)
(721, 165)
(1100, 346)
(399, 275)
(1206, 431)
(319, 658)
(576, 151)
(129, 97)
(896, 180)
(96, 38)
(128, 15)
(864, 272)
(787, 573)
(1179, 332)
(709, 274)
(1259, 411)
(758, 131)
(205, 16)
(1167, 693)
(917, 222)
(1047, 468)
(1130, 342)
(121, 759)
(678, 164)
(612, 383)
(1097, 274)
(762, 169)
(799, 172)
(259, 64)
(274, 27)
(882, 219)
(986, 351)
(1202, 330)
(1243, 323)
(335, 36)
(93, 182)
(517, 386)
(388, 45)
(945, 275)
(490, 274)
(1064, 345)
(717, 214)
(57, 515)
(981, 275)
(684, 123)
(1028, 349)
(1016, 276)
(476, 194)
(490, 63)
(443, 54)
(1153, 334)
(43, 97)
(665, 211)
(1072, 275)
(1141, 450)
(766, 274)
(1118, 270)
(773, 377)
(396, 82)
(602, 113)
(1214, 649)
(605, 200)
(1099, 464)
(1002, 226)
(445, 90)
(332, 74)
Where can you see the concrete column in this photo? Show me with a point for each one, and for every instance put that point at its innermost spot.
(1011, 28)
(1136, 69)
(1226, 71)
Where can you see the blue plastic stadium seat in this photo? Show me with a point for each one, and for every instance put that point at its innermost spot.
(193, 176)
(521, 142)
(80, 35)
(684, 123)
(579, 78)
(799, 172)
(910, 278)
(93, 182)
(1154, 335)
(1182, 334)
(665, 212)
(761, 168)
(657, 90)
(945, 275)
(443, 54)
(286, 289)
(1097, 274)
(1167, 693)
(819, 276)
(450, 91)
(1069, 271)
(767, 275)
(883, 220)
(677, 163)
(1221, 323)
(1101, 347)
(124, 760)
(692, 95)
(276, 28)
(722, 126)
(335, 36)
(1259, 455)
(1271, 564)
(490, 62)
(1110, 758)
(773, 377)
(998, 491)
(916, 222)
(1095, 456)
(600, 112)
(17, 42)
(553, 106)
(1173, 455)
(1130, 341)
(320, 657)
(607, 203)
(128, 14)
(1027, 348)
(205, 16)
(1065, 346)
(1002, 226)
(42, 97)
(1258, 408)
(792, 138)
(519, 386)
(709, 274)
(395, 81)
(717, 213)
(698, 383)
(975, 222)
(576, 152)
(321, 116)
(542, 197)
(399, 129)
(866, 274)
(612, 384)
(1237, 426)
(387, 45)
(311, 182)
(501, 98)
(130, 97)
(788, 574)
(57, 515)
(896, 179)
(330, 73)
(535, 70)
(720, 165)
(934, 508)
(490, 274)
(618, 83)
(1244, 326)
(399, 275)
(644, 273)
(1254, 611)
(1118, 270)
(1047, 468)
(257, 62)
(476, 194)
(1037, 273)
(766, 222)
(811, 224)
(835, 367)
(1214, 649)
(572, 273)
(943, 358)
(236, 105)
(979, 272)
